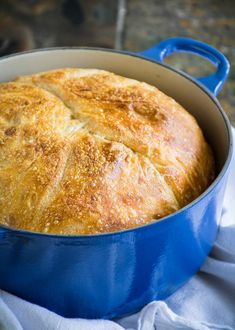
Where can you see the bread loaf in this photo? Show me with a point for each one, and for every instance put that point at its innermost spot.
(85, 151)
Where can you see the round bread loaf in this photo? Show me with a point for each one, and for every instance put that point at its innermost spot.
(85, 151)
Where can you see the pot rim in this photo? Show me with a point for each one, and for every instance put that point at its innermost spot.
(169, 217)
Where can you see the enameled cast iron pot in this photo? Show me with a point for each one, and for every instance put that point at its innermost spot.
(109, 275)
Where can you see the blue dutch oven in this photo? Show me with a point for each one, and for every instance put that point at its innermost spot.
(113, 274)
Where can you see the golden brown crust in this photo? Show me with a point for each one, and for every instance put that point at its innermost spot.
(85, 151)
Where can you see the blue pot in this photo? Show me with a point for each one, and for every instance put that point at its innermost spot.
(109, 275)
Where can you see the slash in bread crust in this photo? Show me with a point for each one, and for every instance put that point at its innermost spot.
(85, 151)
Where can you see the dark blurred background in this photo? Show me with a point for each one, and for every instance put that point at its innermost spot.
(124, 24)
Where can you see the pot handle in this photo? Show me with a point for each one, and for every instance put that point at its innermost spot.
(165, 48)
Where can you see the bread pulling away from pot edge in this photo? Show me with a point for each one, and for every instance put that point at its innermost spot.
(85, 151)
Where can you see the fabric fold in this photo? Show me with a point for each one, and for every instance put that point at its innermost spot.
(206, 302)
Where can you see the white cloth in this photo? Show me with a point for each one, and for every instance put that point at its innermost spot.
(207, 301)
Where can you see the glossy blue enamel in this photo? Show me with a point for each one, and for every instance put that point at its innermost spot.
(114, 274)
(169, 46)
(110, 275)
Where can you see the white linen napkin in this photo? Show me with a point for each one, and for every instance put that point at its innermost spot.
(206, 302)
